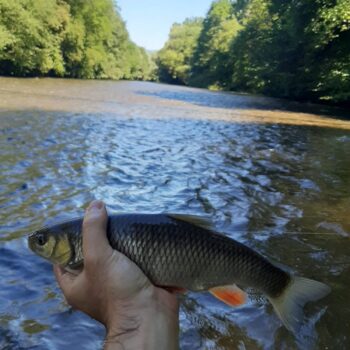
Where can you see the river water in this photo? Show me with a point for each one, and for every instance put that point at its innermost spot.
(271, 174)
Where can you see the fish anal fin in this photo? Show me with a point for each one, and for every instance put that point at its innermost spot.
(230, 295)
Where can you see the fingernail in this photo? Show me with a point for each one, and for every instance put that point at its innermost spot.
(95, 205)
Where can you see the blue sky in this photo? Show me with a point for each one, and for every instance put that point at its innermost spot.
(149, 21)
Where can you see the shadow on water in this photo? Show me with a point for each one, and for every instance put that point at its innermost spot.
(281, 189)
(244, 101)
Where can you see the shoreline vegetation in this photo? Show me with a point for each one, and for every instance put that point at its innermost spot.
(68, 38)
(295, 49)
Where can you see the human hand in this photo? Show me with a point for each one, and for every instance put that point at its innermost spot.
(113, 290)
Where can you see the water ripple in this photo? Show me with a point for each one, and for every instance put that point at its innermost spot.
(281, 189)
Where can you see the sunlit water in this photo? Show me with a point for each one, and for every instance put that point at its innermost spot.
(267, 177)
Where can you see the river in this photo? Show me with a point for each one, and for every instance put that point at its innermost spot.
(270, 173)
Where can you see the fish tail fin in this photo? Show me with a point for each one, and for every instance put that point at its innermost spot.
(289, 305)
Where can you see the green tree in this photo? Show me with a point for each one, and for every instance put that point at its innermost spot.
(96, 41)
(297, 49)
(293, 49)
(330, 51)
(250, 56)
(210, 62)
(73, 38)
(174, 58)
(30, 35)
(137, 63)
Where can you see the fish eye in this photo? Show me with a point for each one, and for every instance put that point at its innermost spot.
(41, 239)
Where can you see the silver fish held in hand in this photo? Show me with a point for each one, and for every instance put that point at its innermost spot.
(185, 253)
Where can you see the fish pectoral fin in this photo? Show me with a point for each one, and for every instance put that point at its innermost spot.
(230, 295)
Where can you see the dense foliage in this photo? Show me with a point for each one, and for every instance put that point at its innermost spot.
(174, 60)
(72, 38)
(294, 48)
(212, 55)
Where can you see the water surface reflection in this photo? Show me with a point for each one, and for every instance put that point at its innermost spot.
(282, 189)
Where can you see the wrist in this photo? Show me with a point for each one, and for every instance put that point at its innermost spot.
(149, 321)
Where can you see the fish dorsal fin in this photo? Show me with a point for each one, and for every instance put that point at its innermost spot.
(194, 220)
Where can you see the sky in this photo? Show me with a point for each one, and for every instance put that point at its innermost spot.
(149, 21)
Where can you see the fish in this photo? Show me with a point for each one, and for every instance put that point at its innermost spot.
(185, 253)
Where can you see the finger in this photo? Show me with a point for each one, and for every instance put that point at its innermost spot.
(72, 286)
(65, 279)
(95, 242)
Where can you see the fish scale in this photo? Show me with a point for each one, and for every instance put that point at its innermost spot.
(187, 256)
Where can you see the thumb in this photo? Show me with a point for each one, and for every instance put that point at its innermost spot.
(95, 242)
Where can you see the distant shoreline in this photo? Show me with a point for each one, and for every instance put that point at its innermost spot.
(135, 99)
(309, 104)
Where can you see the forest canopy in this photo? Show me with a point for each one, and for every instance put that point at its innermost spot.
(296, 49)
(68, 38)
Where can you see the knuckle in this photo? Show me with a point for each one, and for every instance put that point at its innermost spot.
(94, 263)
(91, 260)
